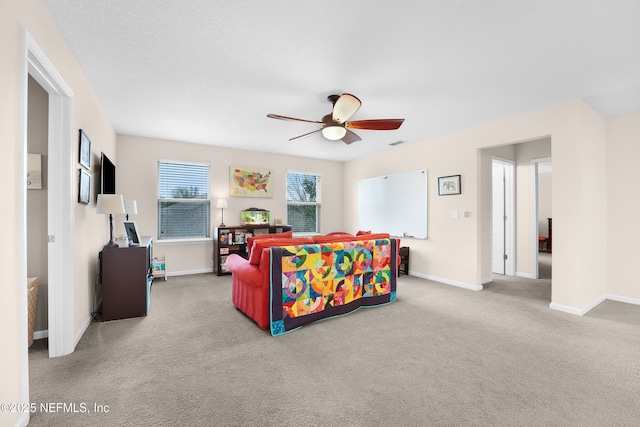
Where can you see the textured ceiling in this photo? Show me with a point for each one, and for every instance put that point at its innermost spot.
(209, 72)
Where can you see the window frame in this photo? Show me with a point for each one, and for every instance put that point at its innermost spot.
(317, 203)
(204, 201)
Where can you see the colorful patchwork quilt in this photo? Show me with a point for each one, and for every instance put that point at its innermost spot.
(318, 281)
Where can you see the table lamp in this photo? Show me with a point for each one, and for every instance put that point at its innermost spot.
(222, 203)
(110, 204)
(130, 207)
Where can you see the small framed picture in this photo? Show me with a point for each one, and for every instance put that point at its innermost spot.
(85, 150)
(132, 232)
(448, 185)
(84, 187)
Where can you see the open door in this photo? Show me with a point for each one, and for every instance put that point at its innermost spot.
(502, 202)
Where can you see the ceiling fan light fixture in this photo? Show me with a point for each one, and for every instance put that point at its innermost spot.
(334, 133)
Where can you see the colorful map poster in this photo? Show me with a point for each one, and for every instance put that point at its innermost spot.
(250, 182)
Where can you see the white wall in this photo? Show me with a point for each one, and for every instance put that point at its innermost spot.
(137, 164)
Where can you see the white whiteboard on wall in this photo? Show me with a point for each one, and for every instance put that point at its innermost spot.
(394, 204)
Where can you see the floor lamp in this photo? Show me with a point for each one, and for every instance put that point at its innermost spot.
(110, 204)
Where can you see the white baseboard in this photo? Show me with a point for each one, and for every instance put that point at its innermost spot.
(525, 275)
(449, 282)
(38, 335)
(584, 310)
(487, 280)
(188, 272)
(86, 324)
(619, 298)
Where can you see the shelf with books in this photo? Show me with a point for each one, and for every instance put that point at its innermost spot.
(233, 240)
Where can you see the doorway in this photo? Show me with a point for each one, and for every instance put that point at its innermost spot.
(541, 216)
(59, 234)
(502, 216)
(37, 205)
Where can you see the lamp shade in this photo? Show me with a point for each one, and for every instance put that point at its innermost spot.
(130, 207)
(110, 204)
(334, 133)
(222, 203)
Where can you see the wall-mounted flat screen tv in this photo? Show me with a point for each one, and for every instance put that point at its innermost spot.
(107, 176)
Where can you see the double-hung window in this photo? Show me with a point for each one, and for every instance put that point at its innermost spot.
(303, 201)
(183, 200)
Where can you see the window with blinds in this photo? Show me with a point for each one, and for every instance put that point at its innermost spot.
(303, 201)
(183, 200)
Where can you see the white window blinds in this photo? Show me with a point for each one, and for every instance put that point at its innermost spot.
(183, 200)
(303, 201)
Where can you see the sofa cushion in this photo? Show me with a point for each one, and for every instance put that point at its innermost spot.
(250, 240)
(260, 244)
(361, 232)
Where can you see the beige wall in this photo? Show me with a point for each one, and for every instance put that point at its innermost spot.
(90, 230)
(594, 203)
(137, 164)
(545, 180)
(37, 245)
(456, 251)
(623, 201)
(525, 153)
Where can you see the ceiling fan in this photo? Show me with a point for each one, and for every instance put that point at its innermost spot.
(336, 126)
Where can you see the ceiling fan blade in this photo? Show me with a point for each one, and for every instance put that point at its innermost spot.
(279, 117)
(381, 124)
(345, 107)
(350, 137)
(305, 134)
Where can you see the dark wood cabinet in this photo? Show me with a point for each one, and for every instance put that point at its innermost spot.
(404, 261)
(126, 280)
(233, 240)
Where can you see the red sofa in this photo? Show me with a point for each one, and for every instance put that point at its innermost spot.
(251, 277)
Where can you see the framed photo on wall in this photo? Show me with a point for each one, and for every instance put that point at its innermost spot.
(250, 182)
(84, 188)
(85, 150)
(448, 185)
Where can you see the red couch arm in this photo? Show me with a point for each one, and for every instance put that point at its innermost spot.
(244, 271)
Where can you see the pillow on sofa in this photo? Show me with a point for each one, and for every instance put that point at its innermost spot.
(361, 232)
(349, 238)
(250, 240)
(373, 236)
(334, 238)
(339, 233)
(261, 244)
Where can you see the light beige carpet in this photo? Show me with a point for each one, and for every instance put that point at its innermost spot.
(438, 356)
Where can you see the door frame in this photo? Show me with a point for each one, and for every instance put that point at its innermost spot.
(510, 212)
(535, 165)
(60, 207)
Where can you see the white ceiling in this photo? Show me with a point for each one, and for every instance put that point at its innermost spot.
(209, 72)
